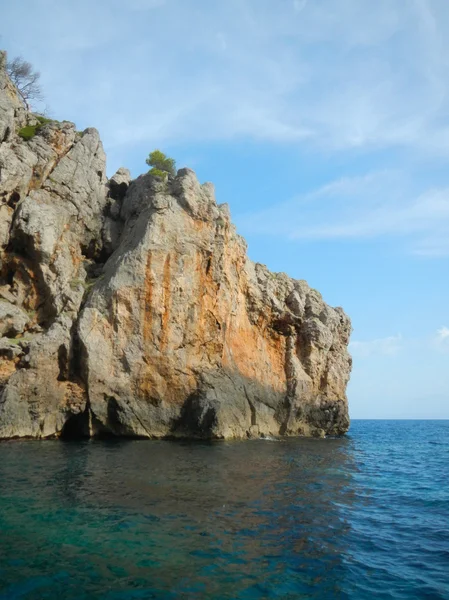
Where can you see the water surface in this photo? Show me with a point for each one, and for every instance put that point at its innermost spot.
(365, 516)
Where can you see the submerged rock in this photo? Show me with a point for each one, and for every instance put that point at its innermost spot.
(141, 314)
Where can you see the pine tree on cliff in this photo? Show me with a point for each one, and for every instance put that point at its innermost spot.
(163, 166)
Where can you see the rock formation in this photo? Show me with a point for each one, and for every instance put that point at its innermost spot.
(130, 308)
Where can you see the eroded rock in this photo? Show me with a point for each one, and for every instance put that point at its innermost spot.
(185, 336)
(13, 320)
(131, 308)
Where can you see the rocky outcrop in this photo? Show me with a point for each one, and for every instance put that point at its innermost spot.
(130, 307)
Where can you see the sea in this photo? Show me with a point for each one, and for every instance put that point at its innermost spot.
(364, 516)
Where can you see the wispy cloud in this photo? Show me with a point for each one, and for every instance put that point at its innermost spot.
(352, 74)
(375, 205)
(441, 339)
(394, 345)
(434, 246)
(389, 346)
(443, 334)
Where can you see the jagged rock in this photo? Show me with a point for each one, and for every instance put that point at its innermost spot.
(53, 194)
(26, 164)
(10, 349)
(12, 113)
(113, 225)
(119, 183)
(140, 312)
(112, 231)
(5, 294)
(185, 336)
(12, 319)
(38, 399)
(296, 302)
(6, 214)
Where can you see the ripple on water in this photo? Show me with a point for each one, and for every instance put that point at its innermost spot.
(366, 516)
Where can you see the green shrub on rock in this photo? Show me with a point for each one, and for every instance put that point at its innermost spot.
(158, 173)
(28, 132)
(163, 166)
(43, 120)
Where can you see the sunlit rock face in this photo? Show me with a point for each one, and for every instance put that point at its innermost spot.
(130, 307)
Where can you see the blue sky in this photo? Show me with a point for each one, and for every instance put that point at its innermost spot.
(323, 124)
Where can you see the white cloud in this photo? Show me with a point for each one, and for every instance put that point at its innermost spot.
(395, 344)
(434, 246)
(443, 333)
(389, 346)
(374, 205)
(333, 78)
(340, 75)
(440, 340)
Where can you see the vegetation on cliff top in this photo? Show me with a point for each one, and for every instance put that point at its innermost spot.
(29, 131)
(163, 166)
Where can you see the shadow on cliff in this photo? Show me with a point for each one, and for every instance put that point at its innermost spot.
(225, 406)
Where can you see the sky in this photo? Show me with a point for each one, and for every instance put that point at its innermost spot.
(324, 125)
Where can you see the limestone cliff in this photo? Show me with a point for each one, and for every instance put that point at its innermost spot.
(130, 307)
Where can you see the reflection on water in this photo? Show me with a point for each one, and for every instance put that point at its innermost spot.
(139, 519)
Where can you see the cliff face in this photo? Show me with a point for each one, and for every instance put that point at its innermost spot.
(131, 308)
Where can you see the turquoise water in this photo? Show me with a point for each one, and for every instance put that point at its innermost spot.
(365, 516)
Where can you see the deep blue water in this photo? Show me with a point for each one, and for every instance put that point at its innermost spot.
(365, 516)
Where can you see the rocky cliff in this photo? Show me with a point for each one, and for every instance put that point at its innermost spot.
(130, 307)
